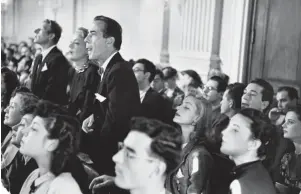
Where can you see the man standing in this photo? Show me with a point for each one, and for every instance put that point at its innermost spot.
(117, 97)
(50, 70)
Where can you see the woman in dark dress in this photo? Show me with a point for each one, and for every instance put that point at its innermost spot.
(83, 77)
(290, 167)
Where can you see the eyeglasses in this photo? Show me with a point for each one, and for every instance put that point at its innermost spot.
(129, 155)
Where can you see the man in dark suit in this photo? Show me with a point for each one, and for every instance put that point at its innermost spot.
(50, 70)
(117, 97)
(153, 105)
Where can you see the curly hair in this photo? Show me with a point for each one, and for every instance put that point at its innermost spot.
(166, 140)
(28, 100)
(64, 128)
(262, 129)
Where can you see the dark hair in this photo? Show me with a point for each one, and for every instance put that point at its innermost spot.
(267, 92)
(11, 81)
(63, 127)
(235, 92)
(296, 110)
(111, 29)
(28, 101)
(10, 50)
(262, 129)
(166, 140)
(160, 73)
(148, 67)
(56, 29)
(222, 84)
(196, 79)
(170, 73)
(291, 91)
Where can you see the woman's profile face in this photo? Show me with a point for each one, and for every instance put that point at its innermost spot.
(187, 112)
(77, 47)
(292, 126)
(35, 143)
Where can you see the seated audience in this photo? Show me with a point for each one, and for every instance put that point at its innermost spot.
(158, 82)
(231, 101)
(15, 167)
(24, 69)
(192, 175)
(287, 97)
(83, 77)
(153, 105)
(11, 61)
(14, 112)
(148, 154)
(190, 81)
(9, 82)
(247, 140)
(52, 141)
(173, 93)
(290, 167)
(259, 95)
(213, 91)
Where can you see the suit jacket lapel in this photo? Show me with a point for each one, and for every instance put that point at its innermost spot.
(147, 95)
(117, 58)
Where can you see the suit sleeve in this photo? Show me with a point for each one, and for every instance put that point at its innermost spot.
(90, 88)
(199, 169)
(58, 79)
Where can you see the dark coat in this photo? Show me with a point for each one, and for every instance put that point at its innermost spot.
(82, 91)
(112, 116)
(155, 106)
(253, 178)
(193, 173)
(50, 77)
(14, 175)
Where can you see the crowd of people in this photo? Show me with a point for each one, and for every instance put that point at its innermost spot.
(89, 121)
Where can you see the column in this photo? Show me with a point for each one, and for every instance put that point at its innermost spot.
(164, 55)
(195, 34)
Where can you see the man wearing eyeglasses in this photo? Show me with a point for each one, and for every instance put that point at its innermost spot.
(213, 91)
(50, 69)
(149, 152)
(153, 105)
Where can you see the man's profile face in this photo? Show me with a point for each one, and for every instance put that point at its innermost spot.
(158, 83)
(134, 165)
(95, 42)
(252, 97)
(42, 34)
(284, 102)
(210, 91)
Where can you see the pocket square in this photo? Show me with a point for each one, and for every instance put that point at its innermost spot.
(99, 97)
(45, 67)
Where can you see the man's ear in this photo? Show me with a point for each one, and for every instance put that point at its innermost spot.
(110, 41)
(51, 36)
(160, 169)
(231, 103)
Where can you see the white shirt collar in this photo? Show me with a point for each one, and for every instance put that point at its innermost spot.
(143, 92)
(47, 51)
(105, 64)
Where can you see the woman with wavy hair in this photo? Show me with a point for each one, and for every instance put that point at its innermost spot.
(192, 175)
(53, 142)
(83, 77)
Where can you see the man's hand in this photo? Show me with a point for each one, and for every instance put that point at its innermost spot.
(87, 124)
(101, 182)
